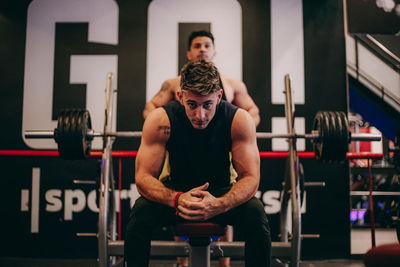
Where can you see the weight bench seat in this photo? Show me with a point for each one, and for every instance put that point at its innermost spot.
(199, 235)
(199, 229)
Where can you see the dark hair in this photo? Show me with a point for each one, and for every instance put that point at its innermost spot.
(200, 77)
(198, 34)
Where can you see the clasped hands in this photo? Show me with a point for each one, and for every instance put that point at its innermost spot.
(198, 204)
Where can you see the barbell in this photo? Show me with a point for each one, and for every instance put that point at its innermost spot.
(330, 135)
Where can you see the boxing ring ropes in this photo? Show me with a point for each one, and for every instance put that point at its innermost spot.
(109, 247)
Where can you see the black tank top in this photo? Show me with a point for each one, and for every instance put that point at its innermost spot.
(199, 156)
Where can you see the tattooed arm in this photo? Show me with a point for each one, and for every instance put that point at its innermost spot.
(166, 94)
(150, 158)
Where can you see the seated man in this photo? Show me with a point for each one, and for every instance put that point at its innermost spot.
(198, 132)
(201, 46)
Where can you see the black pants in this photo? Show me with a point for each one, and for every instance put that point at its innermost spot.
(249, 217)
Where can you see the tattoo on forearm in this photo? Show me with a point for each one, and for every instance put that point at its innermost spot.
(166, 129)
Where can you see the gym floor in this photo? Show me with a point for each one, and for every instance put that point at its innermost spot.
(13, 262)
(360, 244)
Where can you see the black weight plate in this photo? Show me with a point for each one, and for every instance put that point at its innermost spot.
(317, 143)
(330, 140)
(85, 125)
(76, 140)
(325, 135)
(320, 126)
(66, 123)
(325, 147)
(64, 134)
(68, 147)
(343, 143)
(346, 133)
(332, 149)
(60, 125)
(72, 127)
(339, 137)
(346, 128)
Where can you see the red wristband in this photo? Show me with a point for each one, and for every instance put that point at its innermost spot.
(176, 202)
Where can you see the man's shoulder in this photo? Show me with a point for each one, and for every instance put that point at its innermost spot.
(157, 115)
(155, 125)
(173, 83)
(174, 104)
(229, 79)
(242, 123)
(235, 84)
(173, 109)
(227, 111)
(228, 106)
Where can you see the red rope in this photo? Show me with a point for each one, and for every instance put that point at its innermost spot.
(54, 153)
(132, 154)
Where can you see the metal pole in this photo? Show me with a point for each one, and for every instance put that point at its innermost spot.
(371, 205)
(38, 134)
(294, 171)
(105, 179)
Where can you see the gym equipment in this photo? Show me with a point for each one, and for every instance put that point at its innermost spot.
(330, 136)
(334, 136)
(200, 236)
(71, 134)
(330, 140)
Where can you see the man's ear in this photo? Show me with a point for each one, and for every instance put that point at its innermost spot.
(179, 94)
(189, 55)
(219, 95)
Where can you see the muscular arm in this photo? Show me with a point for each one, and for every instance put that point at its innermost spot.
(166, 94)
(243, 100)
(246, 160)
(150, 158)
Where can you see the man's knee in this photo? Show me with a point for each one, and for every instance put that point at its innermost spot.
(139, 218)
(146, 215)
(254, 207)
(256, 218)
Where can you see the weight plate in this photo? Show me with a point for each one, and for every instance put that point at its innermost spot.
(343, 143)
(331, 151)
(332, 144)
(339, 137)
(70, 135)
(321, 124)
(317, 143)
(85, 124)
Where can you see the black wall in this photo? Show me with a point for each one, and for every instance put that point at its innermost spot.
(327, 211)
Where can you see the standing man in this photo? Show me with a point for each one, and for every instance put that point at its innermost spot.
(198, 132)
(201, 46)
